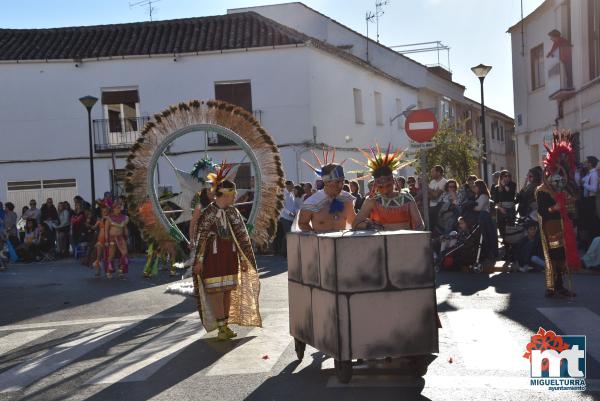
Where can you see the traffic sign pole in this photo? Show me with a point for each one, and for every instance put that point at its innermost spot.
(425, 189)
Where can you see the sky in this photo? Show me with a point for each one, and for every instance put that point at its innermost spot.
(475, 30)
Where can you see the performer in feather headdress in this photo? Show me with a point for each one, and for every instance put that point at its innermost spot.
(385, 207)
(329, 209)
(225, 273)
(555, 198)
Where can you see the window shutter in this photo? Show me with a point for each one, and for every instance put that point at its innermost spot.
(120, 97)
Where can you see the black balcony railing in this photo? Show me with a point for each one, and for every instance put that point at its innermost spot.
(117, 134)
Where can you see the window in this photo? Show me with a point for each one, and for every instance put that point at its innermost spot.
(121, 108)
(238, 93)
(446, 111)
(358, 107)
(378, 108)
(398, 111)
(494, 129)
(594, 37)
(537, 67)
(502, 133)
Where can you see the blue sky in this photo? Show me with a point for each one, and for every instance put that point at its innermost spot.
(475, 30)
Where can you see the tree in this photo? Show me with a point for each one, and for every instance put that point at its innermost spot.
(456, 149)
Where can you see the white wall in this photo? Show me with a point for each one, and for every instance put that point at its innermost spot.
(303, 19)
(40, 111)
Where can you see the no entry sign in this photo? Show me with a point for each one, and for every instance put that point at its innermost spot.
(421, 125)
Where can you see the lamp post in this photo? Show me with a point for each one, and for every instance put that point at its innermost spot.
(481, 71)
(89, 102)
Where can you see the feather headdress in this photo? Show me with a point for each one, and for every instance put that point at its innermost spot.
(561, 155)
(200, 168)
(377, 159)
(336, 173)
(221, 173)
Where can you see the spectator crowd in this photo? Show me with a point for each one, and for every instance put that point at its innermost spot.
(51, 231)
(472, 224)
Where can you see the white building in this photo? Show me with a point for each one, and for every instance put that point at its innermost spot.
(307, 78)
(545, 97)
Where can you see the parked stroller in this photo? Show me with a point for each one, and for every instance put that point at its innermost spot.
(464, 253)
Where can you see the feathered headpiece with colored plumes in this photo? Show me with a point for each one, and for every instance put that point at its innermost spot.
(377, 159)
(200, 168)
(221, 173)
(561, 154)
(337, 173)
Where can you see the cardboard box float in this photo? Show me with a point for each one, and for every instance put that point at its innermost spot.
(363, 294)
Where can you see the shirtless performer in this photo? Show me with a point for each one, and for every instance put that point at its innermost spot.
(329, 209)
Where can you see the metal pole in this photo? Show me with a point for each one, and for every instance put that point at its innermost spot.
(113, 180)
(424, 188)
(93, 184)
(483, 136)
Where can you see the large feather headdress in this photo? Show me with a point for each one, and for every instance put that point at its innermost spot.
(377, 159)
(221, 174)
(336, 173)
(561, 156)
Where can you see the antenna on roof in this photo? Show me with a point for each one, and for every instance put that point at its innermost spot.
(145, 3)
(371, 16)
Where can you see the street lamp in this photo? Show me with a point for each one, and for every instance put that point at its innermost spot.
(481, 71)
(89, 102)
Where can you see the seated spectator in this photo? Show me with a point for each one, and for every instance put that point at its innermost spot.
(47, 242)
(455, 237)
(592, 256)
(450, 207)
(28, 250)
(529, 250)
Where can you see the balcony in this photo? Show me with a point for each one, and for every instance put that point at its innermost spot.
(560, 79)
(113, 135)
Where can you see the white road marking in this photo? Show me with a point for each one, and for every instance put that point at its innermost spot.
(59, 356)
(420, 125)
(478, 332)
(451, 382)
(102, 320)
(15, 340)
(143, 362)
(577, 321)
(271, 340)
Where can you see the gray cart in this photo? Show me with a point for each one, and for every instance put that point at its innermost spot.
(363, 295)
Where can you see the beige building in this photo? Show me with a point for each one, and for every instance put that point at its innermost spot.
(560, 89)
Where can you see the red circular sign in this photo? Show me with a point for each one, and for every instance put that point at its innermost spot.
(421, 125)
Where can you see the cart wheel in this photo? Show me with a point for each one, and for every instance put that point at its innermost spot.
(299, 346)
(419, 365)
(343, 370)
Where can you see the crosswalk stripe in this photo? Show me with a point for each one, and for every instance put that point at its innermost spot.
(577, 321)
(18, 339)
(59, 356)
(479, 332)
(101, 320)
(271, 340)
(148, 359)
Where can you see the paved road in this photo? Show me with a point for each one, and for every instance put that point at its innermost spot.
(65, 335)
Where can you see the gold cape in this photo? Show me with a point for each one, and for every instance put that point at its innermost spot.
(244, 309)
